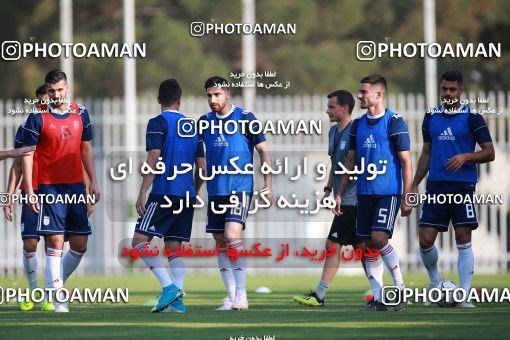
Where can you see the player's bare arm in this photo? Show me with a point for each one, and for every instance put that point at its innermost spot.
(152, 159)
(485, 155)
(14, 153)
(87, 155)
(199, 168)
(13, 182)
(28, 167)
(265, 157)
(349, 165)
(407, 179)
(422, 168)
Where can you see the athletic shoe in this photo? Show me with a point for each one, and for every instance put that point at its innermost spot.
(176, 307)
(227, 305)
(170, 294)
(368, 296)
(26, 305)
(61, 308)
(426, 301)
(466, 304)
(240, 303)
(47, 306)
(375, 306)
(310, 299)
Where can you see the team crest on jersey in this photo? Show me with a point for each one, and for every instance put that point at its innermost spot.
(46, 220)
(65, 133)
(76, 125)
(342, 145)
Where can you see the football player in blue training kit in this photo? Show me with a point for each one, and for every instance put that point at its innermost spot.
(450, 134)
(172, 224)
(379, 139)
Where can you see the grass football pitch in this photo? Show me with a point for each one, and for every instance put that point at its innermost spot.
(270, 315)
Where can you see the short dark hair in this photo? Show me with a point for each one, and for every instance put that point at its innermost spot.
(453, 75)
(54, 76)
(215, 81)
(343, 97)
(375, 79)
(169, 92)
(41, 90)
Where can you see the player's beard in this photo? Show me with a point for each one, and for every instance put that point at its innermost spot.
(217, 107)
(58, 103)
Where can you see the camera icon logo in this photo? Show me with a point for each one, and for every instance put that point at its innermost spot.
(11, 50)
(4, 199)
(197, 29)
(186, 127)
(411, 199)
(365, 50)
(391, 295)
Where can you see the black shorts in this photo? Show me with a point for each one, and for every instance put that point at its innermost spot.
(343, 228)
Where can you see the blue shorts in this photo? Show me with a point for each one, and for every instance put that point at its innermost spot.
(28, 222)
(162, 222)
(438, 216)
(376, 214)
(63, 218)
(216, 219)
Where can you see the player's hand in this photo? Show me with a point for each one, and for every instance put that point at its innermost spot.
(22, 151)
(90, 209)
(35, 207)
(8, 212)
(405, 210)
(336, 210)
(456, 162)
(94, 190)
(267, 192)
(140, 205)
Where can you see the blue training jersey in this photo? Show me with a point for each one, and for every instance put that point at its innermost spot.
(18, 140)
(220, 147)
(376, 140)
(450, 135)
(176, 152)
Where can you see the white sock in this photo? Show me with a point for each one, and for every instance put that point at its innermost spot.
(70, 262)
(429, 258)
(177, 270)
(226, 273)
(322, 289)
(465, 265)
(53, 268)
(155, 264)
(239, 269)
(390, 259)
(375, 270)
(30, 265)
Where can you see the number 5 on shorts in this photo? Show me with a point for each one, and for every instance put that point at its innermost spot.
(383, 215)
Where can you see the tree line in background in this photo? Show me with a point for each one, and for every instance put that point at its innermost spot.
(319, 58)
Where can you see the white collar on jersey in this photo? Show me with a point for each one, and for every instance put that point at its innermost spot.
(66, 109)
(175, 111)
(228, 114)
(379, 115)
